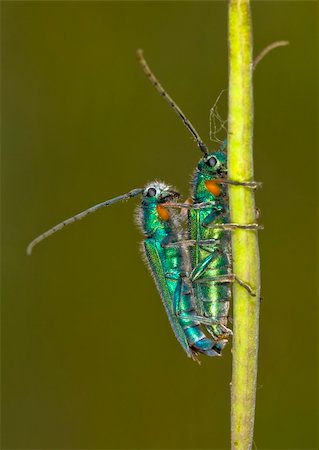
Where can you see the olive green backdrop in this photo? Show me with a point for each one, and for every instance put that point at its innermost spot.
(88, 357)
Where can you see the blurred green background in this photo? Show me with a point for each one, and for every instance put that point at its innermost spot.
(88, 357)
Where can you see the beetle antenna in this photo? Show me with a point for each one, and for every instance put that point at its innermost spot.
(170, 101)
(92, 209)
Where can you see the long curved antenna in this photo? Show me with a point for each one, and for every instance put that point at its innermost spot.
(80, 215)
(170, 101)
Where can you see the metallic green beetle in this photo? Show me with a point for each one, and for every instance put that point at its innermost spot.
(209, 229)
(212, 263)
(167, 263)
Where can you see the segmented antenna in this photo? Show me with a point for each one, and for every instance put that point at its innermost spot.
(170, 101)
(80, 215)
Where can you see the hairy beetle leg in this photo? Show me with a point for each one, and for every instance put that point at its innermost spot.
(249, 184)
(191, 242)
(230, 278)
(206, 321)
(234, 226)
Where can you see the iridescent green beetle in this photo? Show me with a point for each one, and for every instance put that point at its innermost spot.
(169, 266)
(209, 229)
(166, 262)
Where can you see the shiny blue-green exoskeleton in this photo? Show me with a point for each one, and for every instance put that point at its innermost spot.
(167, 263)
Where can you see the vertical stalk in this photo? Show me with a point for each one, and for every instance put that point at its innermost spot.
(242, 211)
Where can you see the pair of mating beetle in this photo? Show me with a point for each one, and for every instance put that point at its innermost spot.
(193, 273)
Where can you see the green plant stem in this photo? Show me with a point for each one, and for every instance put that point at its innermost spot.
(242, 211)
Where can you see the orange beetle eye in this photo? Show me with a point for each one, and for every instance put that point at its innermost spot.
(163, 212)
(213, 187)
